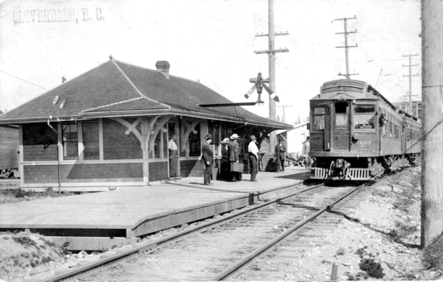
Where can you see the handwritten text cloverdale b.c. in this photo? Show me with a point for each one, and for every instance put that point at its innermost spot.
(57, 15)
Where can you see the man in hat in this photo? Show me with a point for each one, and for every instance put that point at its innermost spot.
(280, 155)
(234, 152)
(173, 156)
(253, 157)
(207, 157)
(224, 163)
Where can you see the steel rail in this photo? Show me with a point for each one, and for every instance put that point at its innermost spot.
(251, 256)
(177, 236)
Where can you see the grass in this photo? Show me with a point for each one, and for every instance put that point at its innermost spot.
(19, 193)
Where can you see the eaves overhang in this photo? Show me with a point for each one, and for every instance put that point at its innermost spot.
(132, 113)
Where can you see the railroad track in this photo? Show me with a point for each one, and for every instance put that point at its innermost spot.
(219, 249)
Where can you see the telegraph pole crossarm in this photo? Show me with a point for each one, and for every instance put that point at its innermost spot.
(410, 79)
(275, 34)
(346, 47)
(272, 51)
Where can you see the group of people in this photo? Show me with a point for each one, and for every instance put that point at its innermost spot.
(230, 170)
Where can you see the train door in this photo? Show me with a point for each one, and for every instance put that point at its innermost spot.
(341, 126)
(320, 128)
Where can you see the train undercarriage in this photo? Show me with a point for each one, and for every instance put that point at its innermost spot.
(359, 169)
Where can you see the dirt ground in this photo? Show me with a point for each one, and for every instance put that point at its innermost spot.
(381, 241)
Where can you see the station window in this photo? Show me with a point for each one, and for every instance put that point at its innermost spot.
(91, 140)
(39, 142)
(70, 141)
(318, 118)
(194, 142)
(364, 117)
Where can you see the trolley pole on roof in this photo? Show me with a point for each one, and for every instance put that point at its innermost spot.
(345, 22)
(271, 53)
(432, 90)
(410, 111)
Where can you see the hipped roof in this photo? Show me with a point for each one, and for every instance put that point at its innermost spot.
(116, 89)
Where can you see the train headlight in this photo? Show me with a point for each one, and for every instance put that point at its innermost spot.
(355, 136)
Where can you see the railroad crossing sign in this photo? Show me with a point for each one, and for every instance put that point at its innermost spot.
(259, 84)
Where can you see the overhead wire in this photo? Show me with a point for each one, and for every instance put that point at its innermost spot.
(23, 80)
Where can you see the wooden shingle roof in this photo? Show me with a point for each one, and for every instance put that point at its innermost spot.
(118, 89)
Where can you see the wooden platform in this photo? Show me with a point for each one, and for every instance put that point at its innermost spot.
(101, 220)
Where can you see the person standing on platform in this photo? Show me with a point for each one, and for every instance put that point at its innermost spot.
(305, 153)
(224, 162)
(208, 157)
(234, 151)
(173, 156)
(244, 154)
(240, 157)
(253, 157)
(280, 155)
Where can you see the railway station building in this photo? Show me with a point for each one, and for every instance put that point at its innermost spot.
(110, 127)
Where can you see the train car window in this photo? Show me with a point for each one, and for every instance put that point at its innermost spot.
(391, 129)
(319, 118)
(341, 114)
(364, 109)
(319, 123)
(320, 111)
(364, 117)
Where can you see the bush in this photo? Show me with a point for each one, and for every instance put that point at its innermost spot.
(372, 268)
(432, 254)
(25, 241)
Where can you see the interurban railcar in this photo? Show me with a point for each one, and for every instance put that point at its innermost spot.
(356, 132)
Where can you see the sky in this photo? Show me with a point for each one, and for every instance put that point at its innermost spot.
(213, 42)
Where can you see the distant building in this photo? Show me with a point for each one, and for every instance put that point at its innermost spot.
(294, 138)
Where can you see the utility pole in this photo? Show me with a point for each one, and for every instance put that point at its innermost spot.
(345, 21)
(283, 107)
(432, 95)
(271, 55)
(411, 112)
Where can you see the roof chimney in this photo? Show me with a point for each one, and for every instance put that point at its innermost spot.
(163, 68)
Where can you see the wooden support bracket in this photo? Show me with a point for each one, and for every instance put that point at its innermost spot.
(188, 128)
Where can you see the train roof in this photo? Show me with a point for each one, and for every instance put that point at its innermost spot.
(349, 88)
